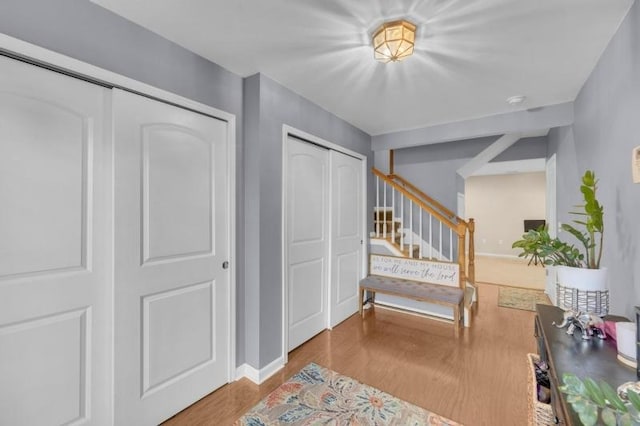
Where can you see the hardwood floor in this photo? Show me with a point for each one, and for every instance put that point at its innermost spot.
(478, 379)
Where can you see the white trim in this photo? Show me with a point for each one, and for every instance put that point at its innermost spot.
(292, 131)
(551, 198)
(415, 311)
(284, 330)
(259, 376)
(288, 130)
(53, 59)
(329, 253)
(232, 198)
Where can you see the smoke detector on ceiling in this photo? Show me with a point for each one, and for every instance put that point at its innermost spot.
(516, 100)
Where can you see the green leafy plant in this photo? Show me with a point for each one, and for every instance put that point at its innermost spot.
(538, 246)
(598, 401)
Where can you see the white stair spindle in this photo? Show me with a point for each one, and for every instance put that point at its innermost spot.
(430, 236)
(377, 215)
(384, 213)
(402, 216)
(440, 243)
(420, 241)
(393, 212)
(411, 228)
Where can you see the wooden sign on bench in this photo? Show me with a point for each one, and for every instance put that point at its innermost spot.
(428, 271)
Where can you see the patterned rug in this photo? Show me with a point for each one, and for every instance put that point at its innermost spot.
(317, 395)
(521, 298)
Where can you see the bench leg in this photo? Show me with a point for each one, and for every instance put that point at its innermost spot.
(361, 301)
(456, 320)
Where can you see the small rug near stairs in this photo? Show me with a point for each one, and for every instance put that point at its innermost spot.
(521, 298)
(317, 395)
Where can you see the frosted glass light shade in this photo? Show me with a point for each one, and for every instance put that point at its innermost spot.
(394, 41)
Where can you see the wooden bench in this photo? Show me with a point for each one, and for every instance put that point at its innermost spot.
(445, 295)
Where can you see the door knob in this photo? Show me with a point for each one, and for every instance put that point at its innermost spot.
(225, 264)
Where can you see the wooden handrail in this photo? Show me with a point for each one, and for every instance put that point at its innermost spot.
(419, 202)
(427, 198)
(444, 215)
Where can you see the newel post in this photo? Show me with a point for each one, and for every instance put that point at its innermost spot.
(461, 253)
(472, 251)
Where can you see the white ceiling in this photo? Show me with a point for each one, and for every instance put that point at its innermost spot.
(470, 55)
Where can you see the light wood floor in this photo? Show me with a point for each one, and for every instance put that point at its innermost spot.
(510, 271)
(479, 379)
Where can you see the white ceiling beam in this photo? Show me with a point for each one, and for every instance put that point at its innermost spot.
(523, 122)
(488, 154)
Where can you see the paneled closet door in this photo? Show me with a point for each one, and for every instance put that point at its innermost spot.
(55, 250)
(346, 236)
(307, 239)
(172, 234)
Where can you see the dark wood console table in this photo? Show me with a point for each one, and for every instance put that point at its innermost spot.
(595, 358)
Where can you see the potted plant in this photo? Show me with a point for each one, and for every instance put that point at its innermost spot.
(577, 267)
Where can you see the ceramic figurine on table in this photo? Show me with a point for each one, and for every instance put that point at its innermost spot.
(588, 324)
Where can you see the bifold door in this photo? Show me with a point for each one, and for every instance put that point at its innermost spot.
(346, 236)
(88, 328)
(323, 242)
(171, 234)
(307, 222)
(55, 252)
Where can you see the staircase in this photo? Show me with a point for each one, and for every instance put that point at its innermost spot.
(387, 227)
(409, 223)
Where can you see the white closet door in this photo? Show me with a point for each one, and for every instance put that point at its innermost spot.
(54, 249)
(346, 236)
(171, 239)
(307, 232)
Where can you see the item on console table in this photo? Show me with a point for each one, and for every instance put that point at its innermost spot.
(595, 358)
(588, 324)
(623, 389)
(626, 343)
(576, 298)
(598, 403)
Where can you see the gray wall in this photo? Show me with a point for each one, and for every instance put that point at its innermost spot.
(85, 31)
(605, 130)
(432, 168)
(268, 106)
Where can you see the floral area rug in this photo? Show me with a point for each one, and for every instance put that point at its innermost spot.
(521, 298)
(319, 396)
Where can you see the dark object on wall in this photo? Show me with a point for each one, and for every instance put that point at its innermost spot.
(533, 224)
(638, 342)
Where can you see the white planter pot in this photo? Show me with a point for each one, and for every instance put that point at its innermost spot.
(583, 279)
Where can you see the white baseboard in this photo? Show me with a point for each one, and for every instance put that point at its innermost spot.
(510, 256)
(413, 311)
(259, 376)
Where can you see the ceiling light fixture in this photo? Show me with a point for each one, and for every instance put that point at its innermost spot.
(394, 41)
